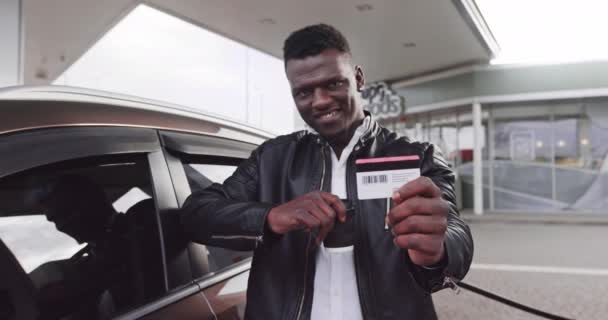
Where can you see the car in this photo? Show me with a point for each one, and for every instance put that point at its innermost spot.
(111, 171)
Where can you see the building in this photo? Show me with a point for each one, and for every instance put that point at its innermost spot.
(522, 138)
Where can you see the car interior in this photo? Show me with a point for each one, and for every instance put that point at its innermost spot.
(61, 275)
(98, 280)
(17, 290)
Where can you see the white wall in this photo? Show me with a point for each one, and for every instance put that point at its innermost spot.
(10, 20)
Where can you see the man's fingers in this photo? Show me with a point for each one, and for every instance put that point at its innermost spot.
(426, 244)
(336, 204)
(417, 206)
(305, 220)
(421, 224)
(327, 209)
(422, 186)
(326, 220)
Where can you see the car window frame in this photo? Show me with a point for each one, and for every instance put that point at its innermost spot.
(183, 148)
(74, 142)
(71, 143)
(175, 148)
(203, 144)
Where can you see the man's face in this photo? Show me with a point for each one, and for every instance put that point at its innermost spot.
(81, 219)
(325, 91)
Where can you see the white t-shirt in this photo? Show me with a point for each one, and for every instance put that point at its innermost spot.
(336, 296)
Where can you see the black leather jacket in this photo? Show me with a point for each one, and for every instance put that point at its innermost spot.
(281, 281)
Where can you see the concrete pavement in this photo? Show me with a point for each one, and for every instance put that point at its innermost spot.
(559, 268)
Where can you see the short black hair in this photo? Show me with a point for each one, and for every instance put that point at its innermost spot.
(312, 40)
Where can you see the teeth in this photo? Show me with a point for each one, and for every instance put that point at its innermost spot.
(328, 115)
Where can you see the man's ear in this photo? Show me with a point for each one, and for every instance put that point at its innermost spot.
(359, 78)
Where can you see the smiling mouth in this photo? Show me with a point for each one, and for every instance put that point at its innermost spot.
(329, 115)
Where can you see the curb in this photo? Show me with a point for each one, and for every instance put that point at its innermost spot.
(522, 218)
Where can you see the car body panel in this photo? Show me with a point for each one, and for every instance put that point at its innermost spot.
(22, 108)
(42, 126)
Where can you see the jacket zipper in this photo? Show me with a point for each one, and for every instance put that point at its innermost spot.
(309, 241)
(232, 237)
(351, 195)
(450, 283)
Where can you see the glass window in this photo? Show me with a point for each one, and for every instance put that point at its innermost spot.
(593, 197)
(581, 180)
(571, 178)
(85, 233)
(200, 176)
(444, 134)
(410, 127)
(599, 147)
(522, 164)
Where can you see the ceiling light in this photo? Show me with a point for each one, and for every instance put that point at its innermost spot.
(584, 141)
(561, 143)
(539, 144)
(364, 7)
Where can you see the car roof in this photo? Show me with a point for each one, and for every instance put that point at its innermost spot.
(36, 107)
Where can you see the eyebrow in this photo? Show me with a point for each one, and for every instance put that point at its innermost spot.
(315, 84)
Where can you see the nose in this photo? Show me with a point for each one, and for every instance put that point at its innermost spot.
(321, 99)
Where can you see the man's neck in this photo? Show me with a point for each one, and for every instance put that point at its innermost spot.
(338, 145)
(337, 149)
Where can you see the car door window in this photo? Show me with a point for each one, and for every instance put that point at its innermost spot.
(200, 176)
(85, 232)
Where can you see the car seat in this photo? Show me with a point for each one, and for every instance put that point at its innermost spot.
(17, 293)
(145, 251)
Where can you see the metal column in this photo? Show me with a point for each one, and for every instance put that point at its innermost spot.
(477, 160)
(553, 173)
(491, 156)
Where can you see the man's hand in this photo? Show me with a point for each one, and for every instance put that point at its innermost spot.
(309, 211)
(419, 221)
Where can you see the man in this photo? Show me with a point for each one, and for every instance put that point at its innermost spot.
(286, 199)
(80, 208)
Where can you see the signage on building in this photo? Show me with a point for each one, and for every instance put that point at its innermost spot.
(522, 145)
(382, 102)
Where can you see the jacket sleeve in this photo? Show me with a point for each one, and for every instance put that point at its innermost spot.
(458, 241)
(228, 215)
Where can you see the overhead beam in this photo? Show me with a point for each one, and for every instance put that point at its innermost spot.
(472, 15)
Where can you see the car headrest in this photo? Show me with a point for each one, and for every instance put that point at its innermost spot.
(143, 212)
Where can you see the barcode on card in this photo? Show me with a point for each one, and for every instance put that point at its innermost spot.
(375, 179)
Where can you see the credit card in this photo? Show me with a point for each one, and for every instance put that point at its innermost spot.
(378, 177)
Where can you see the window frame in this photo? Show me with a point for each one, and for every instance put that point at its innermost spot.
(27, 150)
(51, 145)
(177, 146)
(182, 148)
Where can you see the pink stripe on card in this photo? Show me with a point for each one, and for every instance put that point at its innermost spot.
(387, 159)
